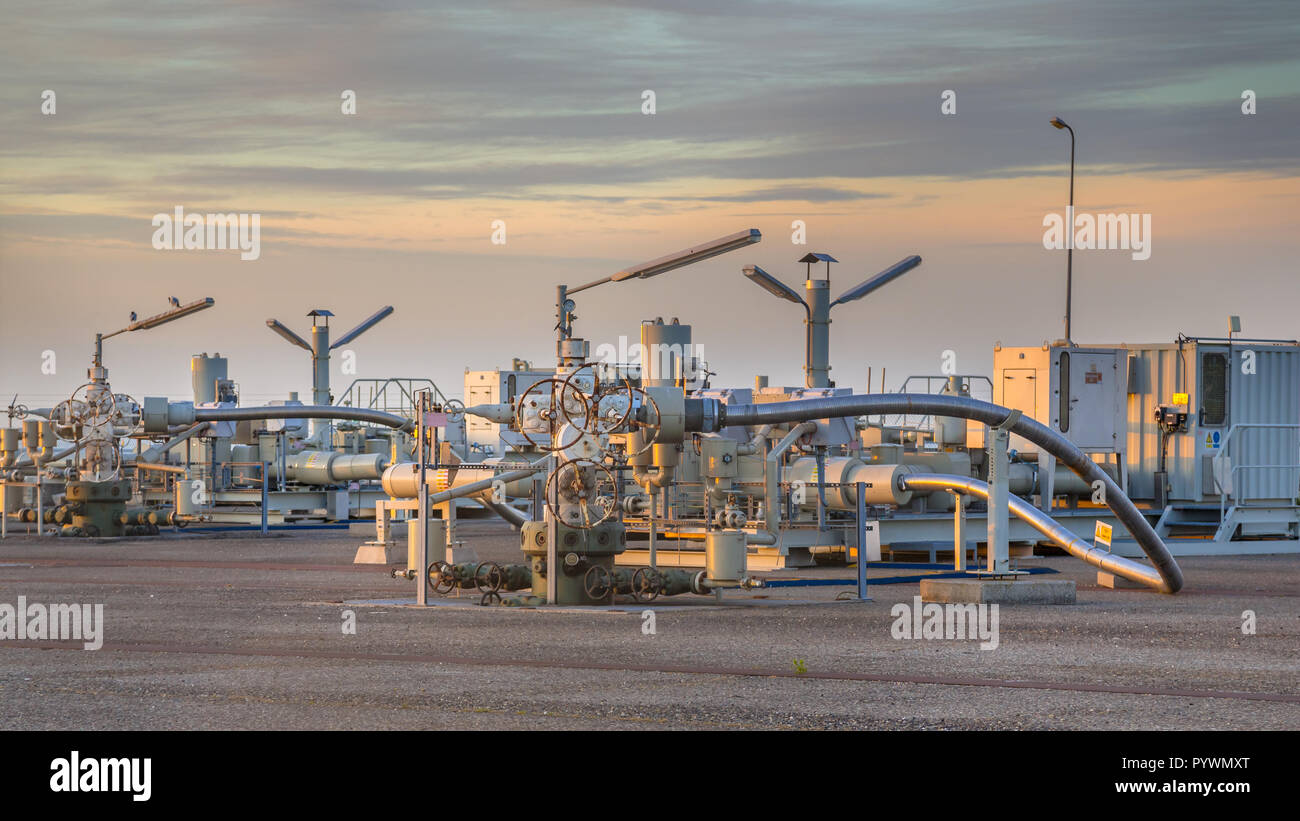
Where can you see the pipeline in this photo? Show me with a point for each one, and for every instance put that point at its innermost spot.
(1046, 525)
(771, 488)
(516, 517)
(1171, 577)
(304, 412)
(157, 452)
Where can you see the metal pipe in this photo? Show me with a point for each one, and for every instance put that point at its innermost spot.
(485, 484)
(26, 461)
(304, 412)
(177, 469)
(771, 487)
(1049, 527)
(156, 452)
(514, 516)
(989, 414)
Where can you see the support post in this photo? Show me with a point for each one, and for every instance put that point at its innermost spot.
(422, 520)
(266, 481)
(552, 534)
(999, 512)
(862, 541)
(959, 533)
(653, 547)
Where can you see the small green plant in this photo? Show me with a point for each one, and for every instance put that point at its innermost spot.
(800, 667)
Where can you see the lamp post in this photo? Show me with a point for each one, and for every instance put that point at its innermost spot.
(1069, 245)
(817, 308)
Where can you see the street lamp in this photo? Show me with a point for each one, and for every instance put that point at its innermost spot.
(1069, 245)
(817, 307)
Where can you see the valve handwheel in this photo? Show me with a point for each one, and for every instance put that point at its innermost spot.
(100, 405)
(646, 584)
(571, 479)
(554, 411)
(648, 429)
(440, 577)
(605, 416)
(488, 577)
(105, 457)
(598, 582)
(455, 410)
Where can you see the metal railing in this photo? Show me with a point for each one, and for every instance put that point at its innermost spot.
(926, 422)
(394, 395)
(1225, 473)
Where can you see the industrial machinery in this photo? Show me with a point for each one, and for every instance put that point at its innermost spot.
(614, 449)
(637, 476)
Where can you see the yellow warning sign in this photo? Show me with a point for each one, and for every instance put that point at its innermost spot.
(1102, 534)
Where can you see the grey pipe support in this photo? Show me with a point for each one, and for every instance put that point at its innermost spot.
(771, 488)
(304, 412)
(993, 415)
(1049, 527)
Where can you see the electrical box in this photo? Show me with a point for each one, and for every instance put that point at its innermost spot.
(1081, 393)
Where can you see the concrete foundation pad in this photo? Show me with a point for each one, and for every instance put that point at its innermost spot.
(998, 591)
(377, 553)
(1114, 582)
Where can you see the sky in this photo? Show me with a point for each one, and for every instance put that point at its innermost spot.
(532, 113)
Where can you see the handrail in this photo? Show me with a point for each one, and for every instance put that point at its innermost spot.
(1233, 488)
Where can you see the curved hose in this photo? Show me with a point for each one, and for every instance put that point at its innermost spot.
(988, 413)
(1044, 524)
(303, 412)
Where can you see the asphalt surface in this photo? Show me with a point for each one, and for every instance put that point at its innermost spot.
(245, 632)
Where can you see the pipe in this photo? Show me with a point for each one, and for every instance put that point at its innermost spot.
(486, 484)
(1046, 525)
(180, 470)
(156, 452)
(771, 488)
(304, 412)
(514, 516)
(989, 414)
(26, 461)
(647, 477)
(755, 443)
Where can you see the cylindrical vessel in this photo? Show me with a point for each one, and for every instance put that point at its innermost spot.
(724, 556)
(204, 372)
(185, 493)
(665, 353)
(883, 482)
(951, 430)
(436, 540)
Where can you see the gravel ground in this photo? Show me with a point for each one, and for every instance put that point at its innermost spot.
(245, 632)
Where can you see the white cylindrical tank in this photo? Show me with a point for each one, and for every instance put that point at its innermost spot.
(437, 541)
(204, 372)
(665, 353)
(185, 492)
(724, 556)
